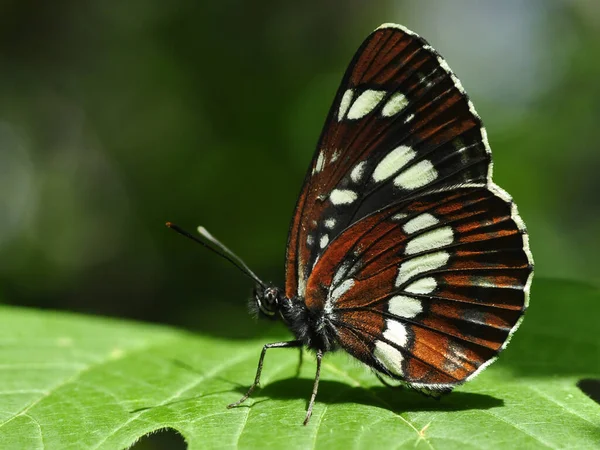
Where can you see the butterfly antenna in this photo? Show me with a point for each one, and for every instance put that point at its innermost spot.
(211, 243)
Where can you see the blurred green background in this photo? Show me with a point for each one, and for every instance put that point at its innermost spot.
(118, 116)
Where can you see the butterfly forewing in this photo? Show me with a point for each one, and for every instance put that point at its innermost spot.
(427, 291)
(400, 126)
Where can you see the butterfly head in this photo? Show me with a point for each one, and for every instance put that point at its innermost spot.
(267, 301)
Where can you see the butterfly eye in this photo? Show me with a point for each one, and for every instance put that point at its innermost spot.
(267, 300)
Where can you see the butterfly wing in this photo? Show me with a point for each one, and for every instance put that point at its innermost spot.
(401, 125)
(430, 290)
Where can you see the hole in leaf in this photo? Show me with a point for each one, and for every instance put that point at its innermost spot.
(166, 438)
(591, 388)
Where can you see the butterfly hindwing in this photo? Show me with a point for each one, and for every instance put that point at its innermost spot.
(427, 291)
(400, 126)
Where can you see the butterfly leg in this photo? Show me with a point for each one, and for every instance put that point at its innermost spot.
(311, 403)
(300, 360)
(288, 344)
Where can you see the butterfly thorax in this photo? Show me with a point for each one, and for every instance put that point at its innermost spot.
(310, 326)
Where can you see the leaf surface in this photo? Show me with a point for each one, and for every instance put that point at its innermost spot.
(70, 382)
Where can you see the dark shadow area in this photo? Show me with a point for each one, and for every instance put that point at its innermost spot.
(591, 388)
(333, 392)
(396, 400)
(167, 439)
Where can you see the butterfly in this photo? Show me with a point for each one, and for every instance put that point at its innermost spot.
(402, 251)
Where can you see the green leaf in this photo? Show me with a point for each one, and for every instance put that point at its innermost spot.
(73, 382)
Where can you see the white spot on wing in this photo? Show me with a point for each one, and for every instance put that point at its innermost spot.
(358, 171)
(310, 240)
(345, 103)
(342, 196)
(330, 223)
(393, 162)
(337, 293)
(406, 307)
(417, 176)
(399, 216)
(320, 162)
(411, 268)
(324, 241)
(389, 357)
(365, 103)
(395, 332)
(335, 156)
(420, 222)
(422, 286)
(409, 118)
(340, 273)
(394, 105)
(436, 238)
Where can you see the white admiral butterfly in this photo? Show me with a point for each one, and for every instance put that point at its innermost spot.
(402, 251)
